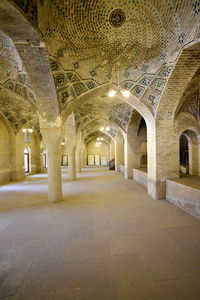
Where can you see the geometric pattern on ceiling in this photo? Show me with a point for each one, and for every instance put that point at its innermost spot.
(17, 111)
(97, 134)
(80, 35)
(93, 45)
(191, 97)
(69, 85)
(12, 75)
(95, 125)
(21, 87)
(118, 113)
(192, 104)
(133, 44)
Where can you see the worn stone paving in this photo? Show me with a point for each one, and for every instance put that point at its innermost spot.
(107, 240)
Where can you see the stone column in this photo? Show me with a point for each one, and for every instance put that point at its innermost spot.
(52, 139)
(193, 147)
(38, 156)
(112, 150)
(78, 161)
(83, 157)
(72, 164)
(163, 156)
(131, 155)
(119, 152)
(132, 146)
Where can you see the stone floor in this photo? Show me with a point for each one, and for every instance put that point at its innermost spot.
(107, 240)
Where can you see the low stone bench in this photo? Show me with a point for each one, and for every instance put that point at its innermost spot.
(140, 176)
(184, 196)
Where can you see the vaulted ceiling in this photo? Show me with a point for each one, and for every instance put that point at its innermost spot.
(190, 101)
(17, 99)
(125, 44)
(110, 39)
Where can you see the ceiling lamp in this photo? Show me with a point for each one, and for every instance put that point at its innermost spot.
(125, 93)
(112, 93)
(63, 142)
(101, 139)
(27, 130)
(27, 137)
(104, 129)
(98, 139)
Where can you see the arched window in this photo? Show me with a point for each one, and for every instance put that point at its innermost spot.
(44, 159)
(27, 160)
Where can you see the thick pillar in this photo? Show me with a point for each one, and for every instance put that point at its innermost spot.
(131, 155)
(163, 156)
(72, 164)
(78, 161)
(119, 152)
(193, 147)
(112, 150)
(83, 157)
(38, 156)
(52, 139)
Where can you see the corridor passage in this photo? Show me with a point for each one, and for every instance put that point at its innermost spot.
(108, 240)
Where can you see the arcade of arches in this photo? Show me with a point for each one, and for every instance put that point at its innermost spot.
(83, 83)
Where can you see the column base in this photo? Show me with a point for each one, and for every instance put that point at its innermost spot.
(157, 190)
(55, 200)
(117, 168)
(128, 174)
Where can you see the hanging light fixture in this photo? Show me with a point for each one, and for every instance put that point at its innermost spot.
(112, 93)
(63, 142)
(125, 93)
(118, 89)
(107, 128)
(27, 132)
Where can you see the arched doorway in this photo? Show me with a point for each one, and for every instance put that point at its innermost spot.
(143, 155)
(27, 160)
(189, 157)
(184, 155)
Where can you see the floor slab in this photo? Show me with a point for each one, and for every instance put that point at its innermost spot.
(107, 240)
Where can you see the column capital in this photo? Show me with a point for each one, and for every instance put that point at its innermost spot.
(52, 137)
